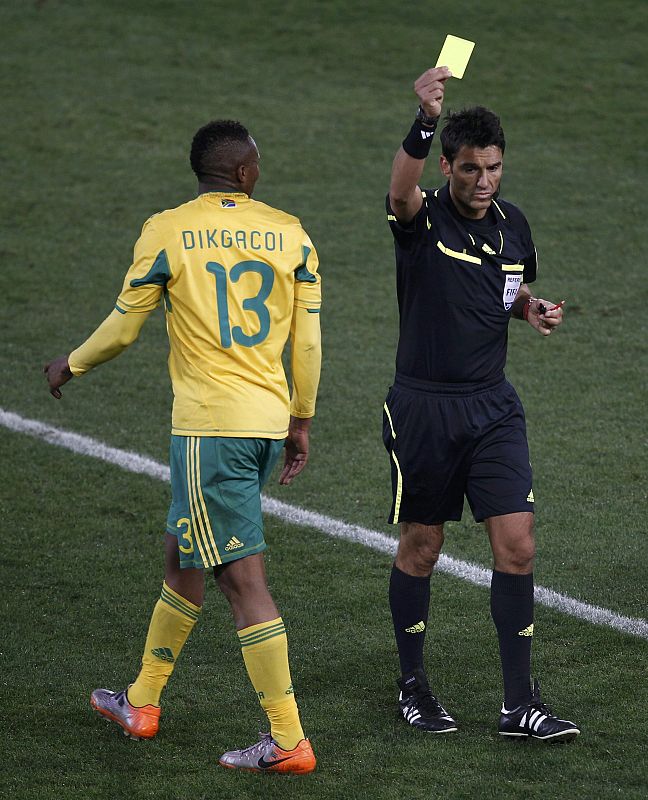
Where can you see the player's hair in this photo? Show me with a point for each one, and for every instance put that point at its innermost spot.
(218, 148)
(472, 127)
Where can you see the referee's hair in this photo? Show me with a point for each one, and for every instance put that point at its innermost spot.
(218, 148)
(472, 127)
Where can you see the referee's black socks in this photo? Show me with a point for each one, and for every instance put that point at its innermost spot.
(409, 600)
(512, 612)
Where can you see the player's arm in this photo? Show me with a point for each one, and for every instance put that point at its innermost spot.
(305, 364)
(404, 192)
(543, 315)
(141, 292)
(112, 337)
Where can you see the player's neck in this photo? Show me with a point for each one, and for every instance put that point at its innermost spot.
(218, 186)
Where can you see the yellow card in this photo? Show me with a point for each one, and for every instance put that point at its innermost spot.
(455, 55)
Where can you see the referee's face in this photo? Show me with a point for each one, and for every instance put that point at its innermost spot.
(474, 177)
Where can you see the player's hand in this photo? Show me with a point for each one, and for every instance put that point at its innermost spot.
(429, 88)
(544, 315)
(57, 373)
(296, 449)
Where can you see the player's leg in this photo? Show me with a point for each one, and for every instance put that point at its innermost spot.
(264, 646)
(173, 619)
(137, 709)
(233, 501)
(409, 600)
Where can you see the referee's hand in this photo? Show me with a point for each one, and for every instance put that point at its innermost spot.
(57, 373)
(429, 88)
(544, 315)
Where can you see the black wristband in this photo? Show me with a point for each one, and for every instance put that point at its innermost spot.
(418, 141)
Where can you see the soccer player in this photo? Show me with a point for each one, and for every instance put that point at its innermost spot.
(453, 425)
(238, 279)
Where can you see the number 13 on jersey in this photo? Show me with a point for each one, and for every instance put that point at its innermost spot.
(255, 304)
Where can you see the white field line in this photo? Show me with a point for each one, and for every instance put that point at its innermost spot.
(473, 573)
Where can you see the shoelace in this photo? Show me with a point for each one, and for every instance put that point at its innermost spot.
(257, 747)
(428, 703)
(537, 705)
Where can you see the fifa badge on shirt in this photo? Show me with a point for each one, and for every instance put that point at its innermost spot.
(511, 288)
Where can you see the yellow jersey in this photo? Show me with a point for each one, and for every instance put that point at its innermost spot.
(238, 278)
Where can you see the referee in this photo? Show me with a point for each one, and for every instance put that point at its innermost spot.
(453, 425)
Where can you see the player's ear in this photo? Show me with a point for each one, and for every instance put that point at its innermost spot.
(445, 166)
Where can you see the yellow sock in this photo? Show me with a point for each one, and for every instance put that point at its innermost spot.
(172, 622)
(265, 652)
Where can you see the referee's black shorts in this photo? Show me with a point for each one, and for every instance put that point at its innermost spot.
(450, 440)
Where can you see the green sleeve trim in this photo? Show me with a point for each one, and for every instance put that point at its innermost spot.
(158, 275)
(136, 309)
(302, 272)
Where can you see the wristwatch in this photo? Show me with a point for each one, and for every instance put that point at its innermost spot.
(423, 118)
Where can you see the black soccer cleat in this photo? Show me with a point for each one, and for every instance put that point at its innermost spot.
(535, 720)
(420, 707)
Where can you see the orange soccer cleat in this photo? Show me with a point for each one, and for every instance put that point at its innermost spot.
(138, 723)
(267, 756)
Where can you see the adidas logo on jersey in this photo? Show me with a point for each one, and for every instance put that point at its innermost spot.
(530, 498)
(527, 631)
(488, 249)
(418, 628)
(234, 544)
(164, 654)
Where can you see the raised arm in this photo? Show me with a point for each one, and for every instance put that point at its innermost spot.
(404, 191)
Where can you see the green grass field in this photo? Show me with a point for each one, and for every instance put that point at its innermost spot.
(100, 101)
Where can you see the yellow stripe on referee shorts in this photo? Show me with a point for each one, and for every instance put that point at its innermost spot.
(399, 482)
(391, 424)
(195, 525)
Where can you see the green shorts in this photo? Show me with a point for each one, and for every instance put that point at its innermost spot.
(216, 486)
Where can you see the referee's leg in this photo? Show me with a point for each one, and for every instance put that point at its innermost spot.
(512, 541)
(409, 600)
(409, 589)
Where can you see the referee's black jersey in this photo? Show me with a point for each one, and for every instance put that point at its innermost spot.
(457, 279)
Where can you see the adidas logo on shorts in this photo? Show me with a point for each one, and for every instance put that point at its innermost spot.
(234, 544)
